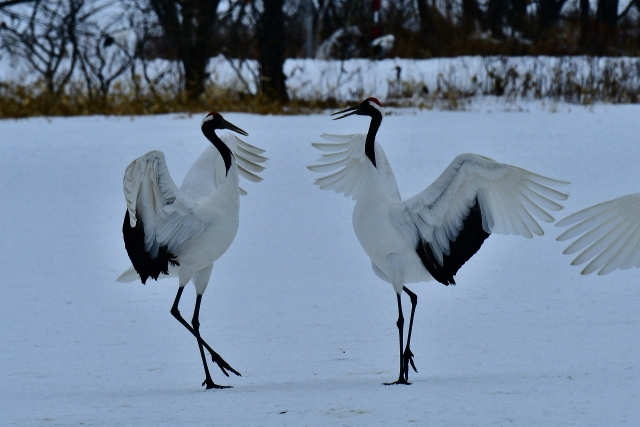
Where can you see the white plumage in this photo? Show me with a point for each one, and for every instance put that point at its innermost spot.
(381, 46)
(180, 232)
(206, 202)
(607, 235)
(431, 235)
(510, 199)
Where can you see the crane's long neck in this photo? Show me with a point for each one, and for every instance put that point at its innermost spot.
(369, 149)
(225, 152)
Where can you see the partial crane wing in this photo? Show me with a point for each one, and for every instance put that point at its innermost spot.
(608, 234)
(474, 197)
(345, 160)
(208, 170)
(161, 216)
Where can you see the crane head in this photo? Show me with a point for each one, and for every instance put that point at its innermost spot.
(369, 107)
(214, 120)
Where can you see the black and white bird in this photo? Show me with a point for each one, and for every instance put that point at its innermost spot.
(180, 232)
(607, 234)
(431, 235)
(381, 46)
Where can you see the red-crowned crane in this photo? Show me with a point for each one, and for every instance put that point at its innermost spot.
(431, 235)
(180, 232)
(608, 234)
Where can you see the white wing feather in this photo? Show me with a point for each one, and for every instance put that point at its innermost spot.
(607, 234)
(509, 197)
(248, 157)
(200, 181)
(167, 213)
(345, 160)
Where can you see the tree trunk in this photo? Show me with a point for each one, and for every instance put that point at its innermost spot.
(271, 50)
(549, 14)
(607, 13)
(426, 27)
(189, 27)
(471, 14)
(585, 10)
(518, 15)
(495, 14)
(606, 23)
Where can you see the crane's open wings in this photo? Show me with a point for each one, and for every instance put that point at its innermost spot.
(608, 234)
(474, 197)
(160, 216)
(248, 158)
(208, 171)
(345, 161)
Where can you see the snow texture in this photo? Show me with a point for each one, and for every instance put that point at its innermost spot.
(523, 339)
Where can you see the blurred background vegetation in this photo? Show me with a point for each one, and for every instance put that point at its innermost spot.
(71, 57)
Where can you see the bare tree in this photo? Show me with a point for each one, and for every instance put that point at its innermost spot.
(45, 36)
(494, 17)
(107, 50)
(585, 11)
(471, 15)
(427, 29)
(517, 15)
(8, 3)
(270, 32)
(607, 13)
(548, 15)
(189, 27)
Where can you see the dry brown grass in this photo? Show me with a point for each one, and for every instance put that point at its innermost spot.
(609, 80)
(21, 100)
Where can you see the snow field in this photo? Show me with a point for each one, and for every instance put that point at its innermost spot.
(523, 339)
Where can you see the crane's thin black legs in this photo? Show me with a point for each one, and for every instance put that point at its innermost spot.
(195, 322)
(400, 324)
(408, 355)
(215, 357)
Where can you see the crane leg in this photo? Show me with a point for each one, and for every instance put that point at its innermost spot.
(195, 322)
(408, 355)
(224, 366)
(400, 323)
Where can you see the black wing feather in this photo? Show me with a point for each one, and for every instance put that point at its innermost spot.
(141, 260)
(461, 250)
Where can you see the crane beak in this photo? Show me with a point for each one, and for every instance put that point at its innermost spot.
(226, 125)
(354, 110)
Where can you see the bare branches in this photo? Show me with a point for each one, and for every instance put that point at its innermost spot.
(46, 37)
(106, 52)
(8, 3)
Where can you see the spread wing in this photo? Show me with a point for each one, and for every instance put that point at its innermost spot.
(474, 197)
(208, 170)
(608, 234)
(345, 161)
(159, 218)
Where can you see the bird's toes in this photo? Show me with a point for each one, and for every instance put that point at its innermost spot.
(399, 381)
(408, 357)
(211, 385)
(224, 366)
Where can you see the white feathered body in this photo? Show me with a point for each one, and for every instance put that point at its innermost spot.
(217, 207)
(391, 230)
(393, 256)
(198, 221)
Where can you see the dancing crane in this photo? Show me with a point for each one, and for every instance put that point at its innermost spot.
(608, 234)
(180, 232)
(431, 235)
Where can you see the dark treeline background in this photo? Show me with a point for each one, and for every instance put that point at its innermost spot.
(104, 40)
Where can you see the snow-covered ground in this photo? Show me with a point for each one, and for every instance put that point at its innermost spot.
(523, 339)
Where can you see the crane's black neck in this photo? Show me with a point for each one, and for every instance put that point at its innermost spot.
(225, 152)
(369, 149)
